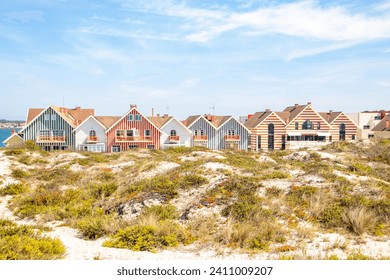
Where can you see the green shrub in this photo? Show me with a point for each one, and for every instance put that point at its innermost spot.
(96, 226)
(26, 243)
(276, 174)
(162, 212)
(192, 181)
(149, 238)
(19, 174)
(103, 190)
(13, 152)
(13, 189)
(300, 196)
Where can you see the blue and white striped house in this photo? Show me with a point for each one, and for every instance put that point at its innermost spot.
(218, 132)
(53, 128)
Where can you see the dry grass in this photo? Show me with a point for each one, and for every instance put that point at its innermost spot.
(360, 219)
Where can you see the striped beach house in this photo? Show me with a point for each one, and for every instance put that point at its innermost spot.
(305, 127)
(173, 132)
(217, 132)
(53, 128)
(133, 130)
(342, 126)
(267, 130)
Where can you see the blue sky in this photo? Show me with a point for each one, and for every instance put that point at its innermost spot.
(183, 57)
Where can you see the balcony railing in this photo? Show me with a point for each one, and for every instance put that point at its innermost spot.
(200, 138)
(232, 137)
(50, 138)
(174, 138)
(133, 138)
(92, 139)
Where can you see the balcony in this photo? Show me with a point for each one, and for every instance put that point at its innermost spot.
(174, 138)
(133, 139)
(92, 139)
(200, 137)
(50, 139)
(232, 137)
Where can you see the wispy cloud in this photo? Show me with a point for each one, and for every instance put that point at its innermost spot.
(335, 25)
(23, 16)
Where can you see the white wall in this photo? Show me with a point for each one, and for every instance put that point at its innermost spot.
(181, 131)
(82, 132)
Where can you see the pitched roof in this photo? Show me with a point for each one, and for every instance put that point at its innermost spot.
(159, 121)
(107, 121)
(330, 116)
(257, 118)
(217, 121)
(294, 110)
(190, 120)
(33, 113)
(383, 125)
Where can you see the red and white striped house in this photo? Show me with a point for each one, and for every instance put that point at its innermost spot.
(133, 130)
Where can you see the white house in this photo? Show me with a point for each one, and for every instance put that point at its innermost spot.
(91, 136)
(174, 132)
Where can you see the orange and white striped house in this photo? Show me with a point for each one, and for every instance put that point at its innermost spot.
(133, 130)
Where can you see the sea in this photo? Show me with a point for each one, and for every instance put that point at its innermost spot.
(4, 134)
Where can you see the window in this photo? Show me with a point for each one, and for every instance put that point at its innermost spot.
(44, 133)
(130, 117)
(297, 125)
(231, 132)
(307, 125)
(137, 117)
(53, 117)
(353, 137)
(133, 147)
(56, 148)
(366, 126)
(370, 136)
(318, 125)
(47, 117)
(147, 133)
(150, 147)
(120, 133)
(271, 129)
(199, 132)
(173, 132)
(130, 133)
(342, 132)
(92, 133)
(116, 149)
(377, 118)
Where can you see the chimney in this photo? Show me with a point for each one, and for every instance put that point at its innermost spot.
(158, 115)
(78, 108)
(133, 106)
(152, 112)
(387, 124)
(296, 105)
(268, 110)
(383, 114)
(249, 116)
(12, 131)
(308, 103)
(165, 116)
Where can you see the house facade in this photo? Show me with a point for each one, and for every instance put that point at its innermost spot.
(342, 127)
(305, 127)
(366, 121)
(267, 131)
(132, 131)
(53, 128)
(90, 135)
(173, 132)
(204, 133)
(382, 129)
(14, 140)
(231, 134)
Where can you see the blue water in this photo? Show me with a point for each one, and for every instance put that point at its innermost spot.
(4, 134)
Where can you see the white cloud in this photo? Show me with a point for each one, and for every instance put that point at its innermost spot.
(305, 19)
(191, 82)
